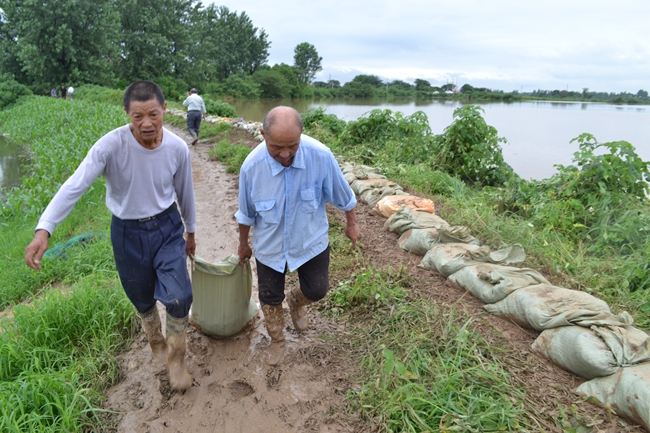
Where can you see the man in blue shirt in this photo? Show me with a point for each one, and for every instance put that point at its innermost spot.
(283, 186)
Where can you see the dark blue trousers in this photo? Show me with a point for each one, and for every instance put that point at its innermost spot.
(151, 261)
(194, 121)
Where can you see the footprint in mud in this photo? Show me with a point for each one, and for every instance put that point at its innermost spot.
(273, 378)
(240, 389)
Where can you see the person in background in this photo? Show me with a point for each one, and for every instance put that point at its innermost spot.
(146, 168)
(63, 92)
(195, 111)
(284, 185)
(53, 93)
(70, 92)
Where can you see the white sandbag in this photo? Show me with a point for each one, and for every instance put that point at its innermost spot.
(628, 344)
(578, 350)
(627, 392)
(418, 241)
(491, 283)
(544, 306)
(406, 218)
(222, 303)
(448, 259)
(457, 234)
(360, 186)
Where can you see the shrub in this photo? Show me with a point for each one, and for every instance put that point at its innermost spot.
(91, 92)
(11, 91)
(219, 108)
(469, 148)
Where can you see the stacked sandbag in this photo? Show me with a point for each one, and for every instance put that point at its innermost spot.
(627, 392)
(406, 218)
(594, 352)
(388, 205)
(419, 241)
(353, 172)
(544, 306)
(491, 283)
(448, 259)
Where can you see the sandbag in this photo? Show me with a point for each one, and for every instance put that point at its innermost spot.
(222, 303)
(457, 234)
(448, 259)
(627, 392)
(595, 352)
(359, 171)
(372, 196)
(578, 350)
(544, 306)
(406, 218)
(390, 204)
(491, 283)
(360, 186)
(418, 241)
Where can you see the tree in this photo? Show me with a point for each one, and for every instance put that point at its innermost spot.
(422, 85)
(642, 93)
(371, 80)
(307, 62)
(272, 83)
(225, 43)
(62, 42)
(155, 38)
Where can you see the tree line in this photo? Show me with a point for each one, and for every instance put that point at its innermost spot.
(178, 43)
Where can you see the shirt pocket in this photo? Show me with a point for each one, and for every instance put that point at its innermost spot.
(267, 211)
(308, 200)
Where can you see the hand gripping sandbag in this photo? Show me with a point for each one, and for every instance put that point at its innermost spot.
(222, 303)
(491, 283)
(544, 306)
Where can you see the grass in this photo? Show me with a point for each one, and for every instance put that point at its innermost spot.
(57, 348)
(230, 155)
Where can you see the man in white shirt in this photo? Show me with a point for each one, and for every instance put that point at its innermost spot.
(195, 111)
(70, 91)
(147, 168)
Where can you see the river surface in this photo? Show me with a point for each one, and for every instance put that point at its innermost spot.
(538, 133)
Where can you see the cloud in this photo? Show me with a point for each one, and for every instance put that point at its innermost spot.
(598, 44)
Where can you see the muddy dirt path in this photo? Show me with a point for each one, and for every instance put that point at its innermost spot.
(235, 391)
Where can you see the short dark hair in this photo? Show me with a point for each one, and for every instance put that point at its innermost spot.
(192, 90)
(142, 91)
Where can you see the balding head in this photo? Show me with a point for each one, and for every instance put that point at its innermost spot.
(281, 130)
(284, 119)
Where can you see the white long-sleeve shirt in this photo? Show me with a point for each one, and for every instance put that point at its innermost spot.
(195, 102)
(139, 182)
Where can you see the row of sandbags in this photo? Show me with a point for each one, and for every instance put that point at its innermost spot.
(578, 332)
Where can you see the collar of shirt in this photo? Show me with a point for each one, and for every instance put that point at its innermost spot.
(298, 161)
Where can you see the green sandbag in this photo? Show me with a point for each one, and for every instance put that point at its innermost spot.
(222, 303)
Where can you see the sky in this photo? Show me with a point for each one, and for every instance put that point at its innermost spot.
(522, 45)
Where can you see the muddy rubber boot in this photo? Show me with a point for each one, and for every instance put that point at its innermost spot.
(195, 137)
(179, 377)
(274, 321)
(152, 327)
(298, 308)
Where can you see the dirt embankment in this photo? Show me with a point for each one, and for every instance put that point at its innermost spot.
(235, 391)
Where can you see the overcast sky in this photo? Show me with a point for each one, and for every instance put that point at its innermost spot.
(523, 45)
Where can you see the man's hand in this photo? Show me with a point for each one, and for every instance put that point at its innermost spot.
(36, 248)
(245, 252)
(190, 245)
(351, 228)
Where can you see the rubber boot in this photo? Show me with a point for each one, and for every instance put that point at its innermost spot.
(298, 308)
(195, 137)
(274, 321)
(152, 327)
(179, 377)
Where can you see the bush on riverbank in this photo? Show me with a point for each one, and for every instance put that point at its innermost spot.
(584, 226)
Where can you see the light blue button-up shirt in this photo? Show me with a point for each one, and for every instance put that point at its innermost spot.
(286, 205)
